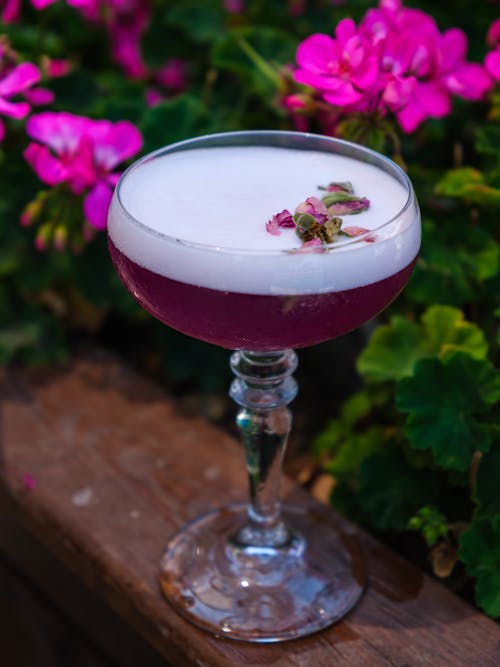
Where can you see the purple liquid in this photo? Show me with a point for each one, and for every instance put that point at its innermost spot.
(254, 321)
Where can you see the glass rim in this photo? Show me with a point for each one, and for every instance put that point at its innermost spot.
(379, 160)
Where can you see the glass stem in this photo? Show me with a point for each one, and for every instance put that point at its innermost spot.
(263, 388)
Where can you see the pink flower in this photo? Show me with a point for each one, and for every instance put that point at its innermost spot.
(492, 60)
(125, 20)
(234, 6)
(420, 68)
(396, 61)
(126, 27)
(344, 69)
(39, 96)
(56, 67)
(15, 80)
(153, 97)
(173, 75)
(82, 153)
(10, 10)
(492, 64)
(280, 221)
(41, 4)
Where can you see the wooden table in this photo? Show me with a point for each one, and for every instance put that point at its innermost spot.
(98, 469)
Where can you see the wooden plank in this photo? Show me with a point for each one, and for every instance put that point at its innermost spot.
(99, 466)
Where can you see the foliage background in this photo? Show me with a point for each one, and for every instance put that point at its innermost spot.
(416, 447)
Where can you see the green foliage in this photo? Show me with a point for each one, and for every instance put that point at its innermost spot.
(468, 184)
(391, 491)
(431, 523)
(394, 348)
(447, 402)
(480, 551)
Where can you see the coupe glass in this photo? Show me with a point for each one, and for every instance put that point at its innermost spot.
(262, 572)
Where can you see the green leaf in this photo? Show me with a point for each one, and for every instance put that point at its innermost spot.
(488, 140)
(446, 331)
(452, 267)
(201, 20)
(392, 351)
(353, 449)
(170, 121)
(394, 348)
(15, 338)
(391, 491)
(487, 491)
(468, 184)
(445, 400)
(480, 551)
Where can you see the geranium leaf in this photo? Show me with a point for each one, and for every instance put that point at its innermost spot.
(480, 551)
(392, 351)
(444, 401)
(391, 491)
(487, 491)
(394, 348)
(446, 330)
(468, 184)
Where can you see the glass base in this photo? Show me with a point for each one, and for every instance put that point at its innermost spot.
(260, 593)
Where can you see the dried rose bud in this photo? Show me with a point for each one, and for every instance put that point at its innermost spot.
(280, 221)
(350, 206)
(345, 186)
(328, 232)
(314, 207)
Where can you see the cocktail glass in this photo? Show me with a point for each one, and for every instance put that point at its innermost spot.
(260, 572)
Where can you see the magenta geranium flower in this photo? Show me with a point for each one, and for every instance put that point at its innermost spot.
(10, 10)
(396, 61)
(492, 60)
(345, 69)
(82, 153)
(15, 81)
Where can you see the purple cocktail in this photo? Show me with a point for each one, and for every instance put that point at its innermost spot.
(188, 237)
(256, 321)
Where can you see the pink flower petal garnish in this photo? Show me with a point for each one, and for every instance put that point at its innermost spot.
(280, 221)
(314, 245)
(353, 232)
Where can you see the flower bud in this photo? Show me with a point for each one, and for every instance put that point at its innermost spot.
(60, 237)
(344, 186)
(341, 203)
(31, 212)
(44, 236)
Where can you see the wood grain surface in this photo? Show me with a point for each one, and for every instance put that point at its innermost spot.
(100, 467)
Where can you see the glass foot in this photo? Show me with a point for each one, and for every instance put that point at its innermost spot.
(261, 593)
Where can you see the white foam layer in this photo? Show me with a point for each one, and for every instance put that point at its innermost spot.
(223, 197)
